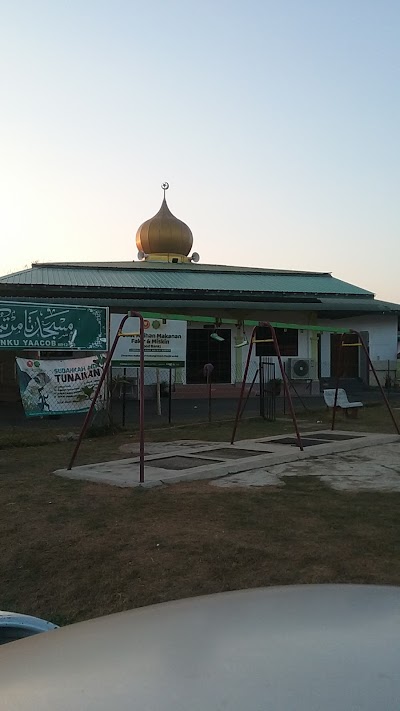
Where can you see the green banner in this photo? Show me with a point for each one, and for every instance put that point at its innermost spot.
(30, 326)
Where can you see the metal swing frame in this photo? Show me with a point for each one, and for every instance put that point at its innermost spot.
(285, 380)
(239, 410)
(240, 405)
(360, 344)
(106, 369)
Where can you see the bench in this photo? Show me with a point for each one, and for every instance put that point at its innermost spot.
(350, 408)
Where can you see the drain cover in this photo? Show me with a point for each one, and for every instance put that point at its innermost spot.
(234, 453)
(180, 462)
(292, 441)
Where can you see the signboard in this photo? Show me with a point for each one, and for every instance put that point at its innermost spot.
(29, 326)
(164, 342)
(58, 387)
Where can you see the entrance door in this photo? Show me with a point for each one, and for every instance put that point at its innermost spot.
(350, 356)
(202, 349)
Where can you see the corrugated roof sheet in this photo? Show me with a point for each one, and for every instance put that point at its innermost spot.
(183, 280)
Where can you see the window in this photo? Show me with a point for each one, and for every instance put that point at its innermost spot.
(288, 340)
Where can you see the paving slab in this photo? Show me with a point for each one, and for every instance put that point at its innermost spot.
(373, 468)
(168, 463)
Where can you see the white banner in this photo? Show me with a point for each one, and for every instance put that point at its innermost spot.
(58, 387)
(164, 342)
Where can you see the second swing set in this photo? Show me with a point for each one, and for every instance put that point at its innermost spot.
(286, 384)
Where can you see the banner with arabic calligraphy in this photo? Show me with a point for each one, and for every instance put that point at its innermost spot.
(59, 387)
(30, 326)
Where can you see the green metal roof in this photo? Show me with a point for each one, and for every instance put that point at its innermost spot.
(181, 278)
(324, 307)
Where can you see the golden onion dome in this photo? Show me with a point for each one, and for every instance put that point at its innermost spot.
(164, 233)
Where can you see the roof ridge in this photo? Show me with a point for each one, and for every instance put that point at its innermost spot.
(161, 266)
(12, 274)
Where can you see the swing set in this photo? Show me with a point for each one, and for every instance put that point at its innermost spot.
(272, 326)
(343, 344)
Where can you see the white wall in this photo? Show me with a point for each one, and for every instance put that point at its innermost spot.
(382, 331)
(325, 357)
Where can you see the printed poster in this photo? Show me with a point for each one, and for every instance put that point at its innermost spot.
(59, 387)
(164, 342)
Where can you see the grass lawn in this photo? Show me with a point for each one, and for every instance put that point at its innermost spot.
(73, 550)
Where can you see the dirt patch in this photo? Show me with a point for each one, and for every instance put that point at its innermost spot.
(72, 550)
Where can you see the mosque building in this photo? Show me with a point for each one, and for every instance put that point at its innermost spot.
(216, 300)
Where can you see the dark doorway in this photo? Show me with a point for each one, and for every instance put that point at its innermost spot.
(350, 356)
(202, 349)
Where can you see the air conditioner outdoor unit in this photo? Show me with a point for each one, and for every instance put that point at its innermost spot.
(301, 369)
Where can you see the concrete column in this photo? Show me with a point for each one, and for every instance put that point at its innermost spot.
(325, 355)
(179, 376)
(238, 356)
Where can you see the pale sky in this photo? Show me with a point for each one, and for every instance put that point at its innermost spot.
(276, 124)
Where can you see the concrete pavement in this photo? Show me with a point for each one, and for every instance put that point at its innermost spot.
(341, 459)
